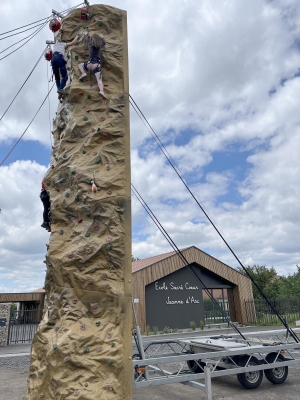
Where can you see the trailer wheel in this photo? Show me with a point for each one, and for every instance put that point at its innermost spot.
(251, 379)
(194, 367)
(279, 374)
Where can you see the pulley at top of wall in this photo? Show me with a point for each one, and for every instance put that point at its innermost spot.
(84, 12)
(54, 25)
(48, 54)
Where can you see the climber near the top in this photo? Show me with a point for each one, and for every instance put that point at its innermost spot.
(59, 63)
(95, 44)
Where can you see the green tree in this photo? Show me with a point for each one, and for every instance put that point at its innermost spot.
(134, 259)
(266, 279)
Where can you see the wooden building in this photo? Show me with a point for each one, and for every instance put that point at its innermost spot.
(169, 293)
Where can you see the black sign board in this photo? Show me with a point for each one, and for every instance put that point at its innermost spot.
(3, 321)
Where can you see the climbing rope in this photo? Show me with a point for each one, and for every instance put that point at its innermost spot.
(49, 110)
(14, 146)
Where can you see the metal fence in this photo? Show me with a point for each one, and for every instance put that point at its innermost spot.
(259, 312)
(23, 325)
(214, 314)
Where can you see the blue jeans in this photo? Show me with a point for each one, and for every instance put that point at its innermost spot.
(59, 66)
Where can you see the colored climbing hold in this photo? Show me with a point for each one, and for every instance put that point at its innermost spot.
(104, 134)
(109, 387)
(100, 23)
(53, 317)
(74, 301)
(109, 192)
(87, 110)
(77, 198)
(97, 323)
(110, 299)
(92, 270)
(68, 56)
(88, 215)
(71, 255)
(88, 250)
(87, 234)
(83, 151)
(95, 153)
(54, 347)
(108, 247)
(65, 156)
(98, 160)
(86, 350)
(108, 167)
(80, 220)
(76, 57)
(113, 345)
(52, 166)
(66, 359)
(56, 328)
(90, 181)
(90, 282)
(89, 96)
(82, 327)
(94, 306)
(73, 172)
(84, 27)
(42, 395)
(100, 348)
(96, 228)
(49, 264)
(98, 130)
(80, 93)
(108, 66)
(86, 384)
(76, 392)
(85, 118)
(78, 176)
(67, 195)
(61, 232)
(110, 362)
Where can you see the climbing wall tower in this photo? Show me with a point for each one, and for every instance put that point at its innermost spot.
(82, 348)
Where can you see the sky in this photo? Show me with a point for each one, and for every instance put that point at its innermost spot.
(219, 82)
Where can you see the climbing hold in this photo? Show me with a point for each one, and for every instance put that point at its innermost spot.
(92, 270)
(77, 198)
(85, 118)
(113, 345)
(82, 327)
(96, 228)
(94, 306)
(67, 195)
(61, 232)
(100, 348)
(97, 323)
(98, 130)
(93, 130)
(102, 119)
(80, 93)
(54, 347)
(84, 27)
(105, 85)
(86, 384)
(89, 96)
(108, 66)
(88, 215)
(108, 239)
(76, 57)
(79, 220)
(53, 317)
(104, 276)
(73, 172)
(104, 134)
(100, 23)
(83, 151)
(110, 362)
(42, 395)
(78, 176)
(98, 160)
(109, 388)
(87, 234)
(56, 328)
(68, 56)
(64, 156)
(110, 299)
(108, 167)
(76, 392)
(95, 153)
(86, 350)
(74, 301)
(109, 192)
(71, 255)
(88, 250)
(52, 166)
(90, 282)
(87, 110)
(49, 265)
(109, 335)
(108, 247)
(67, 359)
(94, 188)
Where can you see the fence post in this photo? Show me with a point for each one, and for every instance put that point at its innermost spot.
(208, 383)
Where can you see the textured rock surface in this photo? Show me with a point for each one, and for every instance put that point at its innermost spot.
(4, 316)
(82, 348)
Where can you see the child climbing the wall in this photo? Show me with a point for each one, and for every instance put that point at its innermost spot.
(59, 63)
(95, 44)
(46, 202)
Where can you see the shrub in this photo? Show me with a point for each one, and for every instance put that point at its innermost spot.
(148, 330)
(166, 329)
(155, 330)
(193, 325)
(175, 330)
(202, 325)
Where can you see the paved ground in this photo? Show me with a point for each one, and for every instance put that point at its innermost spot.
(14, 368)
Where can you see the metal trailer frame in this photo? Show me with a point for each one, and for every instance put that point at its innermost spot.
(261, 344)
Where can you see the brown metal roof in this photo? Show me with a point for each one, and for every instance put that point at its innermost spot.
(145, 262)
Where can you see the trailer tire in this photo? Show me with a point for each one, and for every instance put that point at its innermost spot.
(250, 380)
(194, 367)
(279, 374)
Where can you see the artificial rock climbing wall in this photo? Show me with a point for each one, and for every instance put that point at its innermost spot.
(82, 349)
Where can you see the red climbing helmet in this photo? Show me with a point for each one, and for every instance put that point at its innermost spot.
(48, 54)
(84, 14)
(54, 25)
